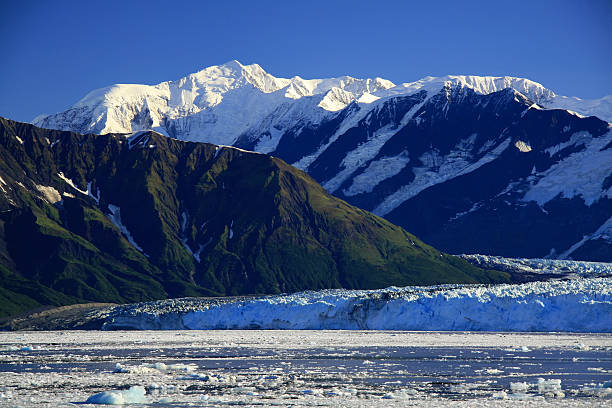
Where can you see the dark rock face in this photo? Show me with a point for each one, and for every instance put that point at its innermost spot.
(469, 173)
(116, 219)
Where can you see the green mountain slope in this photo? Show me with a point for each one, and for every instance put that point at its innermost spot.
(116, 219)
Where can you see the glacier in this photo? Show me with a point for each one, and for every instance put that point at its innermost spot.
(578, 305)
(560, 268)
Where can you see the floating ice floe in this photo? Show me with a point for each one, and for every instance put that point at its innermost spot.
(134, 395)
(599, 390)
(154, 368)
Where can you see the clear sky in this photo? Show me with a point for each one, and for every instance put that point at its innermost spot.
(54, 52)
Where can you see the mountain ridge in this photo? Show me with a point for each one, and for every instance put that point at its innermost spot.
(156, 106)
(465, 153)
(123, 218)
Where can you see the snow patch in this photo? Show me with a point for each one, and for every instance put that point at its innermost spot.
(71, 183)
(115, 217)
(577, 139)
(580, 174)
(368, 150)
(376, 172)
(522, 146)
(51, 194)
(87, 192)
(351, 121)
(604, 231)
(437, 170)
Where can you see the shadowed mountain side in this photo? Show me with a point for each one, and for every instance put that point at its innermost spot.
(123, 219)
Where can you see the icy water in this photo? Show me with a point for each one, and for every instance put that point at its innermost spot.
(305, 368)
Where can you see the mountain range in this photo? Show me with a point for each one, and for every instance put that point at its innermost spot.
(126, 218)
(470, 164)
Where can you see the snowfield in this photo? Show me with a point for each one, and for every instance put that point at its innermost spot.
(580, 305)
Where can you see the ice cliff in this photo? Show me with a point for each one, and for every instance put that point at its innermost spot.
(580, 305)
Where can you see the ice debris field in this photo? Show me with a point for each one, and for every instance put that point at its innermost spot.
(304, 369)
(578, 305)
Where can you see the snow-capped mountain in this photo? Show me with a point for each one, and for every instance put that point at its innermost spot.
(221, 102)
(214, 105)
(494, 165)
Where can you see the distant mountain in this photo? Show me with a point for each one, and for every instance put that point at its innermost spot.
(124, 218)
(493, 165)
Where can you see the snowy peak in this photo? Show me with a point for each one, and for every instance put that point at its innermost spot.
(483, 85)
(232, 75)
(299, 87)
(216, 104)
(220, 103)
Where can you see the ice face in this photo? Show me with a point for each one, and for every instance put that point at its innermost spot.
(581, 305)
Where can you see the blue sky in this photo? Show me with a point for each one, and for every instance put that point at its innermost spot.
(54, 52)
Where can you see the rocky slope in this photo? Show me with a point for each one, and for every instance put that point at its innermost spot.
(119, 218)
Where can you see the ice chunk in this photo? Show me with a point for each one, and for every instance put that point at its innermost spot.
(154, 368)
(134, 395)
(519, 386)
(550, 387)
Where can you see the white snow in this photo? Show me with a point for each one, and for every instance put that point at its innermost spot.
(367, 150)
(522, 146)
(604, 231)
(71, 183)
(581, 305)
(51, 194)
(437, 169)
(87, 192)
(115, 217)
(351, 121)
(90, 194)
(219, 103)
(215, 105)
(377, 171)
(577, 139)
(580, 174)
